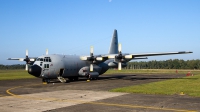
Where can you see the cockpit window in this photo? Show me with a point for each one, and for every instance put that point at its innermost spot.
(45, 59)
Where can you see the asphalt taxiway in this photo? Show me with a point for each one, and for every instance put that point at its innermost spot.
(30, 95)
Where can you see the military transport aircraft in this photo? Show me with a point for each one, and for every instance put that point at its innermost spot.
(55, 66)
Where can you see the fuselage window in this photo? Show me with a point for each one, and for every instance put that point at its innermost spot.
(46, 65)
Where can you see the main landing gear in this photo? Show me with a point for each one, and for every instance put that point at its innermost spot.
(75, 78)
(91, 78)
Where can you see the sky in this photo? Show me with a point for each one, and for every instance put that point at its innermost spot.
(72, 26)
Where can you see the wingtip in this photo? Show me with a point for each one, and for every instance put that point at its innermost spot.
(185, 52)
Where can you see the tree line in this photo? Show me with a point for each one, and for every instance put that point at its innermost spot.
(10, 67)
(167, 64)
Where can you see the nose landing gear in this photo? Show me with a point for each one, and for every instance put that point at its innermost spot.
(45, 81)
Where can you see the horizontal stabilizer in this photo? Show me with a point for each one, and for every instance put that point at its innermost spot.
(140, 58)
(13, 58)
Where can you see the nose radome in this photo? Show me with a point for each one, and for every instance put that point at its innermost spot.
(35, 70)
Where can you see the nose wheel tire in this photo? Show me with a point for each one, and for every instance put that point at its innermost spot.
(46, 80)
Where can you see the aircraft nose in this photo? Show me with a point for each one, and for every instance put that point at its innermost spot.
(35, 70)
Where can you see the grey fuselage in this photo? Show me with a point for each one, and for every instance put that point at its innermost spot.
(55, 65)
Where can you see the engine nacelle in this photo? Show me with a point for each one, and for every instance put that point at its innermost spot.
(85, 71)
(93, 74)
(115, 64)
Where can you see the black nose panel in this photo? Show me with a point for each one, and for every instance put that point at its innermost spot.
(35, 70)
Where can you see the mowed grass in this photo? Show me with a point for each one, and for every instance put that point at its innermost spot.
(187, 85)
(14, 74)
(152, 71)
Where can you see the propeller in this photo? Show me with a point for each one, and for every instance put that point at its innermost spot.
(120, 57)
(26, 59)
(91, 58)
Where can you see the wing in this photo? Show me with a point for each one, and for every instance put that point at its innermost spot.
(139, 58)
(20, 59)
(121, 58)
(32, 59)
(157, 54)
(143, 55)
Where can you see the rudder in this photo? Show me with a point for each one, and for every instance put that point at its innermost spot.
(114, 43)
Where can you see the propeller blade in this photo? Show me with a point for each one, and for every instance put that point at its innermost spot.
(47, 51)
(91, 49)
(91, 67)
(26, 67)
(21, 59)
(83, 58)
(111, 56)
(26, 52)
(128, 56)
(32, 59)
(120, 47)
(119, 66)
(99, 58)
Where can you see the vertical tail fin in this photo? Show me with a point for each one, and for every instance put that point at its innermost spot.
(114, 43)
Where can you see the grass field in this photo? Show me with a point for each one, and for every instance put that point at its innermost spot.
(185, 86)
(153, 71)
(14, 74)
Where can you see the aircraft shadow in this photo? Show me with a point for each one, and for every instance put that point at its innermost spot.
(126, 77)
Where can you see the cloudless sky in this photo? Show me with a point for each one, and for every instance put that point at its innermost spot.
(72, 26)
